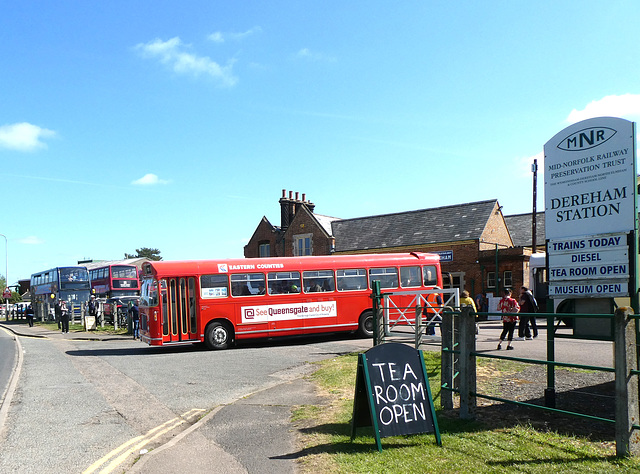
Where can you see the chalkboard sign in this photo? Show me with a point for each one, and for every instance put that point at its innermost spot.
(392, 393)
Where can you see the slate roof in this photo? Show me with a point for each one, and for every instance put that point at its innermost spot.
(426, 226)
(325, 222)
(519, 226)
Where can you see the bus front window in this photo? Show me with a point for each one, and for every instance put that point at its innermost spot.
(149, 293)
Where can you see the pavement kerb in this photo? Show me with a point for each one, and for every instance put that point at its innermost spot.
(24, 330)
(307, 368)
(7, 397)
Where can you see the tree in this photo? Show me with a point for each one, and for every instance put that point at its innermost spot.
(145, 252)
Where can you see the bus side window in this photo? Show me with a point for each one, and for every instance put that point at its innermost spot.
(388, 277)
(410, 277)
(429, 276)
(283, 282)
(317, 281)
(247, 284)
(214, 286)
(355, 279)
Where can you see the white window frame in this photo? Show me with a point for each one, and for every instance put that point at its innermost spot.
(299, 245)
(491, 276)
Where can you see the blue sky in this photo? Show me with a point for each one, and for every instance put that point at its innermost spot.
(176, 125)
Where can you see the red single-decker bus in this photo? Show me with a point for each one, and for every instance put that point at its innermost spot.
(220, 301)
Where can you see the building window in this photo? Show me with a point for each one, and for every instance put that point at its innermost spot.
(491, 279)
(507, 279)
(302, 245)
(264, 250)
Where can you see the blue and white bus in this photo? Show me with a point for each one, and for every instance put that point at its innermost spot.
(67, 283)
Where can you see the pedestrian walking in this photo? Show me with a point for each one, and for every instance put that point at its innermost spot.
(528, 306)
(29, 313)
(135, 319)
(509, 308)
(64, 317)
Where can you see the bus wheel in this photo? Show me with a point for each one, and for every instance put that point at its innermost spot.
(217, 336)
(365, 324)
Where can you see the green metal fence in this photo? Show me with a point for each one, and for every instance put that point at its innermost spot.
(459, 358)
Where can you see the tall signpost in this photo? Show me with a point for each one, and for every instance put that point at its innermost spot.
(591, 218)
(590, 210)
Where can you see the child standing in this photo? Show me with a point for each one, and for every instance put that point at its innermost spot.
(509, 308)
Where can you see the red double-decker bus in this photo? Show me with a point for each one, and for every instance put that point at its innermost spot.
(221, 301)
(114, 280)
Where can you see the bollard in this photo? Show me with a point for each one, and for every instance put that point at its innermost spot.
(627, 409)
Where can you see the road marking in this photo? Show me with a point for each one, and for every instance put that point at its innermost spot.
(122, 452)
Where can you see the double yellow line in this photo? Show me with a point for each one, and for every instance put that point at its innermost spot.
(122, 452)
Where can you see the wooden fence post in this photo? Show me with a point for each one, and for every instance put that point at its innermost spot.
(447, 360)
(627, 409)
(467, 364)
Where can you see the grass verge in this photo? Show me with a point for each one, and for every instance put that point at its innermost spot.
(80, 328)
(466, 446)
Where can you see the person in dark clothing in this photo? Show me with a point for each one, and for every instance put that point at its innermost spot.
(57, 311)
(135, 319)
(64, 316)
(29, 313)
(527, 305)
(92, 307)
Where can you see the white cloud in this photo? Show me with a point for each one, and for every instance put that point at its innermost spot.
(31, 240)
(610, 106)
(24, 136)
(307, 54)
(216, 37)
(172, 53)
(149, 179)
(219, 37)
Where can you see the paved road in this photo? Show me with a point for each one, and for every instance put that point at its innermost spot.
(95, 405)
(78, 402)
(8, 357)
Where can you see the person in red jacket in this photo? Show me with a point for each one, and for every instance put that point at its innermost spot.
(509, 309)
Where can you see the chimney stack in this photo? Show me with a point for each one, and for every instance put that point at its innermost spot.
(289, 207)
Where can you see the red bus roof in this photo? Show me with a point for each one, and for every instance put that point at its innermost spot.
(198, 267)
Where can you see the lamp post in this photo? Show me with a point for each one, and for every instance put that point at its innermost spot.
(6, 275)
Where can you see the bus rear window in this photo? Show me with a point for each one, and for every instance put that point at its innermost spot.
(316, 281)
(214, 286)
(355, 279)
(388, 277)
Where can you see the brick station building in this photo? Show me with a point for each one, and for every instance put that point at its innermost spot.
(472, 239)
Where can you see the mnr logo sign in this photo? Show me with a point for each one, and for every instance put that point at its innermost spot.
(586, 139)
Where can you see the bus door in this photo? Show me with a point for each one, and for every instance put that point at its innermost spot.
(179, 320)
